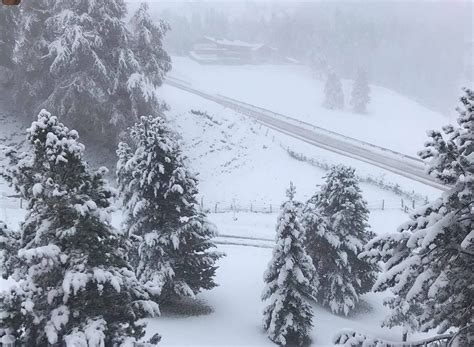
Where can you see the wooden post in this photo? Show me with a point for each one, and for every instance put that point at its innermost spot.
(251, 207)
(383, 205)
(202, 201)
(413, 204)
(215, 208)
(21, 203)
(271, 211)
(402, 202)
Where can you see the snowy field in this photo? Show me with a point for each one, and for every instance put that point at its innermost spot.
(230, 315)
(236, 314)
(393, 121)
(242, 163)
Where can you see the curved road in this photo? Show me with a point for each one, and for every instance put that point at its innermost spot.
(397, 163)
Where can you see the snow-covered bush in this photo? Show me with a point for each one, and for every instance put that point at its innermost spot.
(429, 260)
(360, 92)
(74, 285)
(172, 236)
(334, 95)
(335, 220)
(288, 281)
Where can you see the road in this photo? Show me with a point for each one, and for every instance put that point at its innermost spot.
(384, 158)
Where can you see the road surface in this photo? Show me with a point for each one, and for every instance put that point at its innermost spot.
(398, 163)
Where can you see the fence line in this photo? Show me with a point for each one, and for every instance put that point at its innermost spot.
(15, 201)
(378, 182)
(254, 207)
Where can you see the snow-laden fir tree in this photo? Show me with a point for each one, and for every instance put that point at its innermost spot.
(102, 80)
(33, 82)
(74, 285)
(9, 242)
(335, 220)
(360, 96)
(428, 262)
(334, 95)
(172, 236)
(147, 43)
(289, 279)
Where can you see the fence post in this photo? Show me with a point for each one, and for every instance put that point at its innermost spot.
(215, 208)
(21, 203)
(251, 207)
(271, 210)
(413, 204)
(383, 205)
(202, 202)
(402, 203)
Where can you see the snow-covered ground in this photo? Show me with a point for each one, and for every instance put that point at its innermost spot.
(236, 306)
(393, 121)
(243, 163)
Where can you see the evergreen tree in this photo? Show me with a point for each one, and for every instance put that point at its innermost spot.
(360, 92)
(74, 285)
(335, 219)
(429, 261)
(288, 279)
(334, 95)
(154, 61)
(33, 81)
(9, 242)
(173, 254)
(103, 81)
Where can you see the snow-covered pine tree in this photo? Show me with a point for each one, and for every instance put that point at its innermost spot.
(33, 82)
(103, 82)
(172, 235)
(288, 281)
(147, 44)
(92, 60)
(9, 242)
(429, 261)
(360, 92)
(335, 220)
(334, 95)
(74, 285)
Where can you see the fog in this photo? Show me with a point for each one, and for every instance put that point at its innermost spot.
(421, 49)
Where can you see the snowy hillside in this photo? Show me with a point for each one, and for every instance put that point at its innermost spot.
(231, 152)
(393, 121)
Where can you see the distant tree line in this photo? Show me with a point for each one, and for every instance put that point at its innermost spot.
(387, 40)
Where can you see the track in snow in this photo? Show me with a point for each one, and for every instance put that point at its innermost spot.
(244, 241)
(384, 158)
